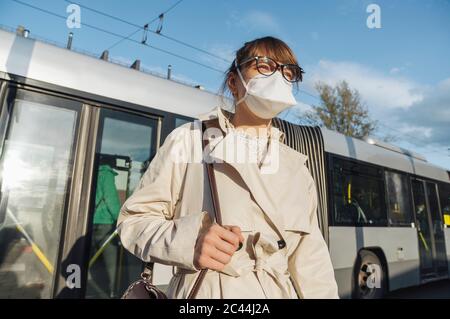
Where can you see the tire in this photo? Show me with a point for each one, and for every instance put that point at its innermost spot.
(369, 276)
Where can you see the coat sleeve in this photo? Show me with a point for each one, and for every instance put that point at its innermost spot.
(146, 224)
(310, 263)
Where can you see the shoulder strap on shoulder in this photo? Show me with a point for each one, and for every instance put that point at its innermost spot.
(215, 201)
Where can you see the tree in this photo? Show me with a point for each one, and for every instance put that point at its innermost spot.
(342, 110)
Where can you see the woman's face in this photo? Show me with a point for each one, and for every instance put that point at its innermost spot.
(248, 71)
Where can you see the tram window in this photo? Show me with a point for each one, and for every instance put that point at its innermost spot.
(444, 195)
(125, 147)
(358, 194)
(36, 168)
(180, 121)
(399, 199)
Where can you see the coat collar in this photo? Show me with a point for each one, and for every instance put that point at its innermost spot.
(223, 115)
(265, 185)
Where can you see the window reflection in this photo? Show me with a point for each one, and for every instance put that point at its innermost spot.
(399, 199)
(358, 193)
(125, 147)
(35, 172)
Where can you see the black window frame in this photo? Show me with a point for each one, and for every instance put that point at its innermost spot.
(331, 160)
(440, 186)
(80, 249)
(411, 200)
(107, 112)
(11, 92)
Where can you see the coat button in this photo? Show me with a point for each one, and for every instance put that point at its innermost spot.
(281, 244)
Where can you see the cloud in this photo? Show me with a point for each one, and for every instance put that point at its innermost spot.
(432, 114)
(295, 114)
(314, 35)
(254, 21)
(224, 51)
(394, 70)
(417, 113)
(379, 90)
(415, 130)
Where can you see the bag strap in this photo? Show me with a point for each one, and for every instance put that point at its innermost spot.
(215, 201)
(147, 274)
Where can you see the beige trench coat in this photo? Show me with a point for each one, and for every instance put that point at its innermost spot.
(160, 222)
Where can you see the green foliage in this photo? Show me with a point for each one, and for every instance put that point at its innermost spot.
(342, 110)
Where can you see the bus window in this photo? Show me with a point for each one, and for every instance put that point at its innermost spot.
(437, 227)
(358, 194)
(399, 199)
(125, 147)
(444, 195)
(36, 168)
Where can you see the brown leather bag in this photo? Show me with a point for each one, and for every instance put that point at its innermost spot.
(144, 288)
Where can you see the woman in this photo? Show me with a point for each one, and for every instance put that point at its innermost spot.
(271, 245)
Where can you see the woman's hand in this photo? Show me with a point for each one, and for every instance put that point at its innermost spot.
(216, 245)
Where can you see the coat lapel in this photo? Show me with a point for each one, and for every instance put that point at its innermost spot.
(265, 183)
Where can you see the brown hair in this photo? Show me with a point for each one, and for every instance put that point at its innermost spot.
(269, 46)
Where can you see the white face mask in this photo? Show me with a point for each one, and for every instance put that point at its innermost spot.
(267, 96)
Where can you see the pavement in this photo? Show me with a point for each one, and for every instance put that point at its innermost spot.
(433, 290)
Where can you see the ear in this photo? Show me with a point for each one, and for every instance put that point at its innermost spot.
(231, 82)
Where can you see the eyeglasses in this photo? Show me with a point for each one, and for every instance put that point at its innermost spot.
(267, 66)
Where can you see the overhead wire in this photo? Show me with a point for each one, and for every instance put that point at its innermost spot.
(143, 28)
(120, 36)
(128, 38)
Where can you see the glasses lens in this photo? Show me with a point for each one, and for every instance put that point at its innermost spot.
(292, 72)
(266, 66)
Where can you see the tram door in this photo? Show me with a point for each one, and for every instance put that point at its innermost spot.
(126, 143)
(38, 136)
(429, 229)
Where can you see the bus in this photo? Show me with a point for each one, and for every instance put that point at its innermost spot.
(78, 131)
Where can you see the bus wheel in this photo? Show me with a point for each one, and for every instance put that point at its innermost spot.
(369, 276)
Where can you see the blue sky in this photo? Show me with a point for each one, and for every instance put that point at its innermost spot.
(401, 70)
